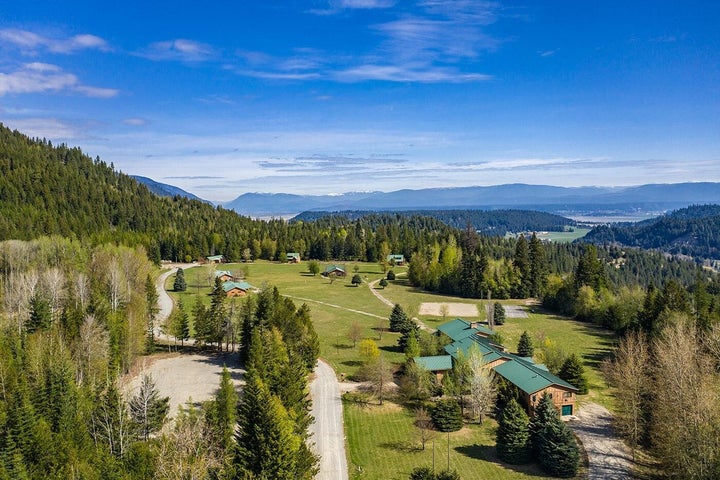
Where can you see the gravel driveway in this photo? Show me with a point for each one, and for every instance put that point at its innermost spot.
(328, 433)
(608, 457)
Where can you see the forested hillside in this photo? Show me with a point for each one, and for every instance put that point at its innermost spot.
(489, 222)
(693, 231)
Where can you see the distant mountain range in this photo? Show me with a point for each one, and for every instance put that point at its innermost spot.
(652, 198)
(165, 190)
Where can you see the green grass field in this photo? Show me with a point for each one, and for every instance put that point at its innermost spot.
(384, 445)
(381, 440)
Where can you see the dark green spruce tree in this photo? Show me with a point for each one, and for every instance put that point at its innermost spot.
(573, 372)
(398, 318)
(513, 435)
(525, 346)
(554, 445)
(180, 285)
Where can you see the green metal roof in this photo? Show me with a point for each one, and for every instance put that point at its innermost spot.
(220, 273)
(293, 255)
(434, 364)
(332, 268)
(458, 329)
(528, 377)
(396, 257)
(227, 286)
(215, 257)
(520, 371)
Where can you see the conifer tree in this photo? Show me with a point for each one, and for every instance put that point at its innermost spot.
(267, 445)
(553, 443)
(573, 372)
(151, 297)
(525, 346)
(224, 410)
(498, 314)
(201, 321)
(446, 415)
(513, 435)
(40, 316)
(521, 262)
(148, 409)
(538, 267)
(180, 285)
(398, 318)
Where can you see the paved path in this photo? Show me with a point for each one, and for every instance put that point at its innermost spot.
(608, 457)
(328, 433)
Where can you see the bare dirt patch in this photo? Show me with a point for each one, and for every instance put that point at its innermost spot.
(186, 378)
(453, 309)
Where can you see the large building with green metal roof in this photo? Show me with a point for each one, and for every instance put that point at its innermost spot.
(531, 379)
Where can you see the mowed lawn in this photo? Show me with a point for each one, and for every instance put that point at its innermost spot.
(384, 445)
(382, 441)
(331, 304)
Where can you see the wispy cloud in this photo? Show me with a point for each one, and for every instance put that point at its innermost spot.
(178, 50)
(427, 46)
(30, 42)
(136, 122)
(408, 73)
(50, 128)
(40, 77)
(337, 6)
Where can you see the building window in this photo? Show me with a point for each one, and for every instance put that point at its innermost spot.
(567, 395)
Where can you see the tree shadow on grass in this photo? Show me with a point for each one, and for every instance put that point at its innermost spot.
(401, 446)
(392, 348)
(352, 363)
(488, 454)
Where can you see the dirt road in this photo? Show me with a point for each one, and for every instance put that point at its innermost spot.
(608, 457)
(328, 433)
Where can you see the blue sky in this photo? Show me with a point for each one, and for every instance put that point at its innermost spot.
(223, 98)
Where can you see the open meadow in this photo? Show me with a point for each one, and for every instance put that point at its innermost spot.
(382, 441)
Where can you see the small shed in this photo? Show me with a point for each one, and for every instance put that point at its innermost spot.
(396, 259)
(216, 259)
(293, 257)
(236, 289)
(334, 270)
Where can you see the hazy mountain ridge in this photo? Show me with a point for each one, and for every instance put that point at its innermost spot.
(164, 189)
(561, 200)
(693, 231)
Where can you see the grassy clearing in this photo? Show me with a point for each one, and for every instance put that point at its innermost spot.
(384, 445)
(563, 237)
(382, 442)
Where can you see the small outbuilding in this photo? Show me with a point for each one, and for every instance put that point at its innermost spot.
(236, 289)
(224, 275)
(216, 259)
(396, 259)
(293, 257)
(334, 270)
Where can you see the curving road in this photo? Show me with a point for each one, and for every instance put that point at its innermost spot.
(328, 433)
(327, 430)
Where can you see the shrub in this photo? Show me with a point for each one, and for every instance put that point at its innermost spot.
(391, 275)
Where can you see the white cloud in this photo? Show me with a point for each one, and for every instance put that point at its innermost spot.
(37, 77)
(51, 128)
(408, 73)
(135, 121)
(179, 50)
(30, 42)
